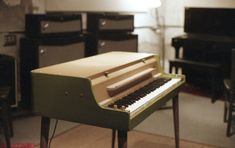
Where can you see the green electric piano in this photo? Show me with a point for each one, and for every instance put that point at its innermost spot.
(115, 90)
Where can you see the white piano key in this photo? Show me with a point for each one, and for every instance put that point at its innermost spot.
(152, 95)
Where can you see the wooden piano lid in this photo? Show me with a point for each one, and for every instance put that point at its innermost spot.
(91, 66)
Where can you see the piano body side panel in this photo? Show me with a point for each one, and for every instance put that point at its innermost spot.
(71, 99)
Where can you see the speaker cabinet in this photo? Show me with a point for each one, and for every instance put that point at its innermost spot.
(102, 22)
(36, 53)
(97, 44)
(52, 25)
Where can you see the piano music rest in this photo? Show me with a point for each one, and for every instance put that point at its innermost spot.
(115, 90)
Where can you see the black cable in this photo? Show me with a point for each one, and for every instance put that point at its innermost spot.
(56, 122)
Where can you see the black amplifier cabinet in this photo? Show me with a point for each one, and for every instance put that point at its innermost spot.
(101, 43)
(36, 53)
(8, 76)
(101, 22)
(37, 25)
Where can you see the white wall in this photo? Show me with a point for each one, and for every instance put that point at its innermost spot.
(171, 14)
(94, 5)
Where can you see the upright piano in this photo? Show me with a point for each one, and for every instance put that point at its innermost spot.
(208, 40)
(115, 90)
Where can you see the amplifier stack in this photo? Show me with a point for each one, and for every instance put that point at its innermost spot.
(110, 32)
(50, 39)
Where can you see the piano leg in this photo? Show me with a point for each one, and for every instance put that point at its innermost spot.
(177, 52)
(176, 120)
(113, 137)
(122, 139)
(45, 127)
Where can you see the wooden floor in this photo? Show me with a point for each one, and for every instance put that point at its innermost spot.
(84, 136)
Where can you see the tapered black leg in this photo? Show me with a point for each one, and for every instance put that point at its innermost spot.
(176, 69)
(45, 127)
(225, 111)
(170, 69)
(177, 52)
(176, 120)
(229, 124)
(122, 139)
(10, 120)
(113, 137)
(6, 123)
(213, 88)
(226, 95)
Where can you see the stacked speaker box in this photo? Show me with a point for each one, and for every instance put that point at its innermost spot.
(110, 32)
(49, 39)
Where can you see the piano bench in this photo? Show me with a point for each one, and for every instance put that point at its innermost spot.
(212, 68)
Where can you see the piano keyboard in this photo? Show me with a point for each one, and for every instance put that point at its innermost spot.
(142, 96)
